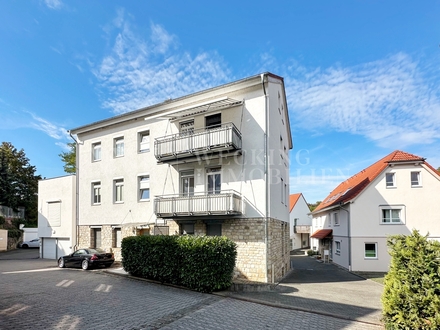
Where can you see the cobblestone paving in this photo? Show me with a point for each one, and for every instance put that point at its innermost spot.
(69, 299)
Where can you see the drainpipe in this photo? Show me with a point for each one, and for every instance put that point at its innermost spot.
(75, 245)
(348, 235)
(266, 178)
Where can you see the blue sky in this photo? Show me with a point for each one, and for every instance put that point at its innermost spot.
(362, 77)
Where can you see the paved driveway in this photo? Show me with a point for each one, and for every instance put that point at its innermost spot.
(325, 289)
(35, 294)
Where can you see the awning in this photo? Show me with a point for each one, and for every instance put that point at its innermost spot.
(322, 233)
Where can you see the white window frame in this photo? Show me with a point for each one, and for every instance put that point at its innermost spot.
(144, 185)
(336, 219)
(95, 148)
(400, 208)
(118, 238)
(213, 171)
(419, 179)
(96, 187)
(119, 146)
(118, 190)
(375, 250)
(144, 141)
(393, 183)
(338, 248)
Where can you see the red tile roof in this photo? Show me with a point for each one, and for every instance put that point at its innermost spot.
(322, 233)
(353, 186)
(293, 199)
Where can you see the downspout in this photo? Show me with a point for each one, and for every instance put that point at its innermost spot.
(76, 193)
(266, 179)
(348, 235)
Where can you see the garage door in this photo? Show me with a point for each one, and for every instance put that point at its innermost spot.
(63, 247)
(49, 248)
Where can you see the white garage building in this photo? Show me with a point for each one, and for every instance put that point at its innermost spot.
(57, 216)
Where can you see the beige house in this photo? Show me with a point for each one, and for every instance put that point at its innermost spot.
(214, 162)
(395, 195)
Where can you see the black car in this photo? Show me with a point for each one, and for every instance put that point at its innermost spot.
(87, 258)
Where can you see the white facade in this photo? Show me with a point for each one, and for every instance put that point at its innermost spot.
(201, 160)
(57, 216)
(300, 222)
(359, 239)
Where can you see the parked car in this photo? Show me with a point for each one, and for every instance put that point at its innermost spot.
(87, 258)
(35, 243)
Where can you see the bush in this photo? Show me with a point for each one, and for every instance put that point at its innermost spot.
(2, 220)
(201, 263)
(14, 233)
(411, 297)
(311, 253)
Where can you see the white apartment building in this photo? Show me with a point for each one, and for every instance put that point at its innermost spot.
(395, 195)
(215, 162)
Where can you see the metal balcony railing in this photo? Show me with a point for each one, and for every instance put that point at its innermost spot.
(226, 202)
(224, 138)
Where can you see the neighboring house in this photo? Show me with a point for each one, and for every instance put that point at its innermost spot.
(56, 216)
(300, 222)
(395, 195)
(210, 163)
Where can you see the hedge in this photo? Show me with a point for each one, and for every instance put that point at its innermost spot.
(201, 263)
(411, 297)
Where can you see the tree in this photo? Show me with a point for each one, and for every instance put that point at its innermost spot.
(69, 159)
(313, 206)
(18, 182)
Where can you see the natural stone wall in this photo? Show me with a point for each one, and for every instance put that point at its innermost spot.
(84, 234)
(278, 249)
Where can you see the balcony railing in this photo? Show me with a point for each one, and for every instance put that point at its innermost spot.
(227, 202)
(224, 138)
(301, 229)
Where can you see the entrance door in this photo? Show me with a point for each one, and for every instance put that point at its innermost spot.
(187, 183)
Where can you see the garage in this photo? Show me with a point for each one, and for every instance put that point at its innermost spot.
(53, 248)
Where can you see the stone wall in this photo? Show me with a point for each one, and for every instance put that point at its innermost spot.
(278, 250)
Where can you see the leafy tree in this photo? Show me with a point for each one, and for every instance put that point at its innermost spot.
(69, 159)
(411, 296)
(18, 182)
(313, 206)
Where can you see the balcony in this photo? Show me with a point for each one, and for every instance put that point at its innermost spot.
(301, 229)
(199, 142)
(227, 202)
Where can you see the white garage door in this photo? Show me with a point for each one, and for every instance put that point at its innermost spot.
(63, 247)
(49, 248)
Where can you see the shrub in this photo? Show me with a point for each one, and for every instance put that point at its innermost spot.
(14, 233)
(411, 297)
(2, 220)
(201, 263)
(310, 253)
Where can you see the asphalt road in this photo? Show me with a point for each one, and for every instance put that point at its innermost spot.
(34, 294)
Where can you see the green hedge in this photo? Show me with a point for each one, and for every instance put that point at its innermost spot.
(201, 263)
(411, 297)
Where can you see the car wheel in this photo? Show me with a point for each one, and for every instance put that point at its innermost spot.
(85, 265)
(61, 263)
(25, 246)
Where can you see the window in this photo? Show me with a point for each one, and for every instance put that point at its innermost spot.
(391, 216)
(282, 191)
(144, 141)
(54, 214)
(281, 146)
(144, 187)
(213, 229)
(117, 237)
(338, 247)
(213, 121)
(335, 219)
(187, 127)
(285, 194)
(96, 151)
(119, 190)
(415, 179)
(97, 237)
(370, 251)
(119, 147)
(390, 180)
(96, 192)
(187, 229)
(214, 180)
(187, 183)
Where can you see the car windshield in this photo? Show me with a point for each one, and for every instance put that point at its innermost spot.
(93, 251)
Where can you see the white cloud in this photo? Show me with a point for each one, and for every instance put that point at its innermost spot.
(53, 130)
(389, 101)
(53, 4)
(139, 72)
